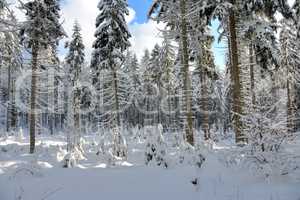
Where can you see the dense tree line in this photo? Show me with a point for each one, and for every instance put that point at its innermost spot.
(176, 85)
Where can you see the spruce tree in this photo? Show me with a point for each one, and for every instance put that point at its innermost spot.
(290, 62)
(10, 64)
(205, 73)
(167, 79)
(112, 39)
(175, 14)
(13, 62)
(134, 72)
(42, 30)
(111, 35)
(145, 61)
(249, 26)
(75, 61)
(131, 70)
(154, 70)
(143, 103)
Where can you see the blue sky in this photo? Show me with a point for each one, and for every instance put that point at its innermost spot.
(141, 7)
(219, 49)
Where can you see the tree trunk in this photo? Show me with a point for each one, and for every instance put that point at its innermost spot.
(235, 76)
(8, 113)
(117, 136)
(11, 109)
(204, 104)
(117, 103)
(290, 111)
(289, 89)
(77, 116)
(33, 97)
(252, 78)
(14, 112)
(186, 75)
(56, 100)
(51, 96)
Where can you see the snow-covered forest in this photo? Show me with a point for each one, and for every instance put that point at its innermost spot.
(169, 125)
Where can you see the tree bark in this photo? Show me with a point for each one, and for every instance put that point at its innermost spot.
(186, 75)
(116, 94)
(252, 78)
(14, 111)
(117, 136)
(235, 76)
(8, 113)
(204, 104)
(289, 89)
(290, 109)
(77, 114)
(34, 64)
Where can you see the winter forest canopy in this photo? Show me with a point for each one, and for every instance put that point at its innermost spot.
(107, 113)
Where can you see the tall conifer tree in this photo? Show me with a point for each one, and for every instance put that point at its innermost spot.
(42, 30)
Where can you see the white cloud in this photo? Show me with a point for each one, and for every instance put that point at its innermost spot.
(85, 13)
(132, 14)
(143, 35)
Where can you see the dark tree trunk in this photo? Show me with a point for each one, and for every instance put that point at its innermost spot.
(186, 76)
(34, 64)
(235, 76)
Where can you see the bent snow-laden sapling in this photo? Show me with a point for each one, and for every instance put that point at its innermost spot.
(155, 146)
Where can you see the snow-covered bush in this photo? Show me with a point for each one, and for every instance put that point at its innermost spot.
(75, 151)
(262, 163)
(137, 134)
(119, 144)
(103, 149)
(191, 155)
(269, 164)
(266, 127)
(71, 158)
(156, 148)
(178, 139)
(266, 130)
(112, 147)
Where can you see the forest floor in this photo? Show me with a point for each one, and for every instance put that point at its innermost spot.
(42, 177)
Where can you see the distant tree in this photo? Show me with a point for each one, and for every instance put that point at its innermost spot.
(14, 63)
(206, 72)
(167, 79)
(175, 14)
(290, 61)
(154, 70)
(131, 70)
(75, 61)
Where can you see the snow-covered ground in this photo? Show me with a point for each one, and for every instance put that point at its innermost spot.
(41, 177)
